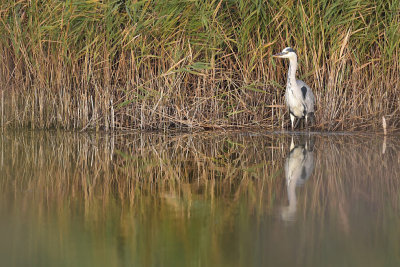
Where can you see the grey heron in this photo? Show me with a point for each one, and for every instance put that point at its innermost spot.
(299, 97)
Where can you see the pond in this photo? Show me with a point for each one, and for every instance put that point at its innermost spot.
(199, 199)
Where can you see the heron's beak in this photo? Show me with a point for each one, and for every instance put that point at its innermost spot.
(278, 55)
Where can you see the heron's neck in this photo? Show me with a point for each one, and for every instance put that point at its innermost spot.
(292, 71)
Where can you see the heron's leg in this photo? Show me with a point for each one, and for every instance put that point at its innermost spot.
(306, 124)
(297, 123)
(292, 120)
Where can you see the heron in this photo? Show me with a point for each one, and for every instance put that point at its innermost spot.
(299, 97)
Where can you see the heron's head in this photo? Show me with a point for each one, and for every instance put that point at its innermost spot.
(288, 52)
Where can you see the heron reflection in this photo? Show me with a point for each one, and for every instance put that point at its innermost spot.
(299, 166)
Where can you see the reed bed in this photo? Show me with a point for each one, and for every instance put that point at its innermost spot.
(196, 64)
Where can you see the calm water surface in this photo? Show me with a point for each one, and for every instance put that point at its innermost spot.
(206, 199)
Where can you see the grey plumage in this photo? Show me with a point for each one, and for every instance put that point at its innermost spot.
(299, 97)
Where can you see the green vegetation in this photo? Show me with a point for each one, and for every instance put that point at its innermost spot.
(163, 64)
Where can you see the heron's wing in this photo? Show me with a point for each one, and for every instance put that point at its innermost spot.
(310, 98)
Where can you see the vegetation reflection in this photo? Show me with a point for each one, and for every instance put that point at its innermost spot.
(154, 199)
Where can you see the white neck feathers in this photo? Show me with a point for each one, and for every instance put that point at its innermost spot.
(292, 71)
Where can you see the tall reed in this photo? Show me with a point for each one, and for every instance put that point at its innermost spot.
(200, 64)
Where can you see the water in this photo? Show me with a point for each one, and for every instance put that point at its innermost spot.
(206, 199)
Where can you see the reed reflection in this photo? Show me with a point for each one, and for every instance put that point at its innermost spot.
(299, 166)
(151, 199)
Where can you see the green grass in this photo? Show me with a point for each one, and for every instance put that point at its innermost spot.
(202, 64)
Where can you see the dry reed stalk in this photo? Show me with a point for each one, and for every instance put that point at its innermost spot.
(384, 125)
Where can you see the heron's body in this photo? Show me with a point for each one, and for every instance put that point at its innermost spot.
(300, 99)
